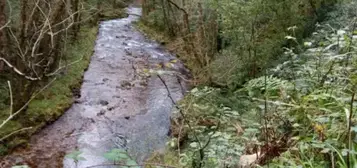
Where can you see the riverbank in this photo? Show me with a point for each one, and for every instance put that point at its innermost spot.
(52, 102)
(125, 102)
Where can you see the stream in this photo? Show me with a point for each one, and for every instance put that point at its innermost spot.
(123, 103)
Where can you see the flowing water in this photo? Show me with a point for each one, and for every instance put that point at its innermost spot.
(122, 104)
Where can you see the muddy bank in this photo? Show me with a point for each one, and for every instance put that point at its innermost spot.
(123, 104)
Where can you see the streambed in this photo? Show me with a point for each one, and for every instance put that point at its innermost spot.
(123, 103)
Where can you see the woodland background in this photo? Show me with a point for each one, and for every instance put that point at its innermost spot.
(273, 80)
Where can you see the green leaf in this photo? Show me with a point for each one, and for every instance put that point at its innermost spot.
(75, 155)
(81, 158)
(326, 150)
(132, 164)
(116, 155)
(194, 145)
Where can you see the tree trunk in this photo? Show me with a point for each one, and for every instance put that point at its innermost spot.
(23, 34)
(3, 40)
(76, 27)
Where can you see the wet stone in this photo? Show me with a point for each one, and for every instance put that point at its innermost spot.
(102, 112)
(92, 128)
(143, 83)
(19, 160)
(103, 102)
(143, 111)
(128, 52)
(121, 36)
(125, 84)
(111, 108)
(92, 120)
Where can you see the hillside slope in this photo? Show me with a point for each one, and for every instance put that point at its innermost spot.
(299, 114)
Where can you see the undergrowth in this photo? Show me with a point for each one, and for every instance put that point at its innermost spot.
(301, 113)
(51, 103)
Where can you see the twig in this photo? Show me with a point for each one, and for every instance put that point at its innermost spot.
(349, 128)
(182, 114)
(7, 23)
(18, 71)
(26, 104)
(17, 131)
(11, 97)
(181, 87)
(202, 147)
(201, 150)
(178, 139)
(351, 41)
(144, 164)
(178, 7)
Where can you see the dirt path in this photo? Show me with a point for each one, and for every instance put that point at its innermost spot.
(121, 105)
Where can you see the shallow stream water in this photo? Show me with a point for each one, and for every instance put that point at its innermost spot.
(122, 103)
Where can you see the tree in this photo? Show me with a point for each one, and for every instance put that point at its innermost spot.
(3, 24)
(34, 50)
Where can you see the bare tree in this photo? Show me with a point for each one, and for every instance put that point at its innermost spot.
(34, 50)
(3, 23)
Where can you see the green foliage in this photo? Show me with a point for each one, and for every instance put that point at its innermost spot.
(50, 104)
(116, 155)
(268, 86)
(112, 9)
(4, 95)
(247, 36)
(75, 155)
(120, 156)
(254, 31)
(301, 107)
(217, 126)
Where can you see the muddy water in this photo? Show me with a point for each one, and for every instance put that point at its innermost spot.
(122, 104)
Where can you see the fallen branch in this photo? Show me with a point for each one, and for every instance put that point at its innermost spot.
(179, 109)
(18, 71)
(12, 115)
(12, 133)
(144, 164)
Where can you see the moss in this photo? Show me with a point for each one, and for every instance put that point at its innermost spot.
(113, 12)
(152, 33)
(55, 100)
(169, 158)
(172, 44)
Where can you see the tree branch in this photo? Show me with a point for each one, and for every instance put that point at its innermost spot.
(144, 164)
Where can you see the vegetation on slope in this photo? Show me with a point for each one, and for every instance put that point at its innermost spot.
(51, 103)
(244, 36)
(299, 111)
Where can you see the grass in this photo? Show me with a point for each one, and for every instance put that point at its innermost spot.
(174, 45)
(153, 34)
(58, 97)
(55, 100)
(169, 158)
(109, 12)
